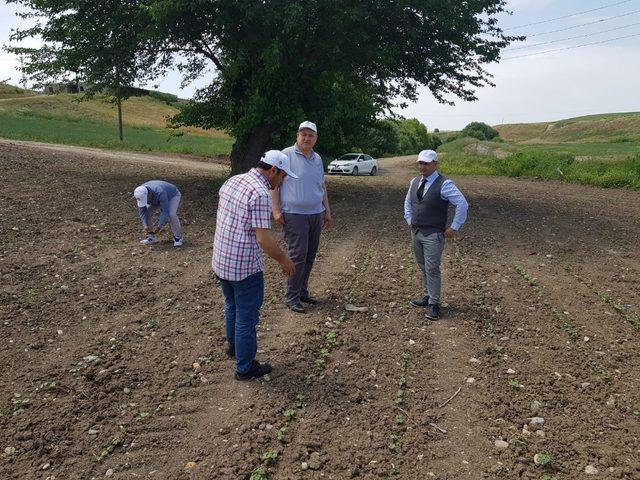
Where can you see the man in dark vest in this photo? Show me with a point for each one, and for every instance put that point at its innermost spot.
(425, 209)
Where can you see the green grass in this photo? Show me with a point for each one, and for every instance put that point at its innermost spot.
(73, 130)
(9, 91)
(603, 165)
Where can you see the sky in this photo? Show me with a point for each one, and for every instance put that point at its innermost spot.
(542, 86)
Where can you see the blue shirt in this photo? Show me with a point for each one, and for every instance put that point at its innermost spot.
(303, 194)
(449, 192)
(162, 192)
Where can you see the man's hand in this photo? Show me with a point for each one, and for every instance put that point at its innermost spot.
(450, 233)
(278, 217)
(327, 219)
(288, 267)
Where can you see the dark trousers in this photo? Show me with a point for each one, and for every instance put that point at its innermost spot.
(302, 235)
(243, 300)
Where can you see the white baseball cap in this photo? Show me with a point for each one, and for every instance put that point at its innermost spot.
(427, 156)
(309, 125)
(278, 159)
(140, 194)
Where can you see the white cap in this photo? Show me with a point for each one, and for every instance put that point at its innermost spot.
(427, 156)
(278, 159)
(309, 125)
(140, 193)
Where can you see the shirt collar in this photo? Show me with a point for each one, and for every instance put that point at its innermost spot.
(299, 152)
(431, 178)
(261, 177)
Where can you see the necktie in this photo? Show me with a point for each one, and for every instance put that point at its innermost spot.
(420, 191)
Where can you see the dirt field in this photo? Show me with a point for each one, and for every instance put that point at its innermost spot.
(112, 360)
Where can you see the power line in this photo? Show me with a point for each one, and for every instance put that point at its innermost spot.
(606, 19)
(567, 16)
(571, 48)
(572, 38)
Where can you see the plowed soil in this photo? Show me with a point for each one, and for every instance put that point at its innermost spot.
(112, 356)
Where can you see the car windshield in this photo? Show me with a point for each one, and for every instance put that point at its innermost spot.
(349, 156)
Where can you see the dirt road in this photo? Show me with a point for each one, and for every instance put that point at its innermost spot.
(112, 361)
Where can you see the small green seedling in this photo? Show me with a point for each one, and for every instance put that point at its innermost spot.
(299, 400)
(319, 364)
(636, 414)
(116, 441)
(513, 383)
(269, 456)
(281, 432)
(258, 474)
(400, 397)
(142, 416)
(394, 443)
(290, 413)
(52, 385)
(399, 419)
(543, 459)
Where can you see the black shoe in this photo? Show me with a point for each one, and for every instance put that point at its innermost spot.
(296, 307)
(433, 311)
(420, 302)
(257, 370)
(309, 299)
(231, 350)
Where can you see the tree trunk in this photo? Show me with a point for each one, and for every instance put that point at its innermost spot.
(120, 118)
(247, 151)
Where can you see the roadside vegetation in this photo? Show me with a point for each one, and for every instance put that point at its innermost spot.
(65, 119)
(600, 150)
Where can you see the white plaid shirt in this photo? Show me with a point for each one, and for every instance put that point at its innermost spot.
(244, 205)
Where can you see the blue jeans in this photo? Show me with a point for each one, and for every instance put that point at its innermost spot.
(243, 300)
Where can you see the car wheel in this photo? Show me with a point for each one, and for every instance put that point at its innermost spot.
(374, 171)
(354, 171)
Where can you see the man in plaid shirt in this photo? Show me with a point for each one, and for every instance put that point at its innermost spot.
(242, 234)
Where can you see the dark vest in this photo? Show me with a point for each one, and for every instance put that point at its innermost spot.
(429, 214)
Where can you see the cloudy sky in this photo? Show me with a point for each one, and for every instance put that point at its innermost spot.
(550, 80)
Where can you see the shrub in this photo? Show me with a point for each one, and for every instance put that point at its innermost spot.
(167, 98)
(479, 130)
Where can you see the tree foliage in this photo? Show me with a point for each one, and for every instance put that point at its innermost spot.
(479, 130)
(340, 63)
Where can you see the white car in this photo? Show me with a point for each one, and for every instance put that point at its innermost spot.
(354, 164)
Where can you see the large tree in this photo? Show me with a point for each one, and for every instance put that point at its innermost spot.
(340, 63)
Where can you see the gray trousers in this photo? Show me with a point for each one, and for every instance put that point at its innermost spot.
(174, 221)
(428, 252)
(302, 235)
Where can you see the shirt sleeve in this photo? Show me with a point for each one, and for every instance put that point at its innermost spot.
(260, 211)
(408, 211)
(451, 193)
(144, 216)
(164, 209)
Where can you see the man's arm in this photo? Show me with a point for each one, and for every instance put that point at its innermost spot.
(451, 193)
(408, 211)
(143, 213)
(275, 205)
(271, 248)
(164, 210)
(327, 209)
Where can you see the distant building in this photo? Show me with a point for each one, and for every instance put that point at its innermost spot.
(64, 87)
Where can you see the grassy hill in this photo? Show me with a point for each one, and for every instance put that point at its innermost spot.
(9, 91)
(602, 150)
(65, 119)
(608, 127)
